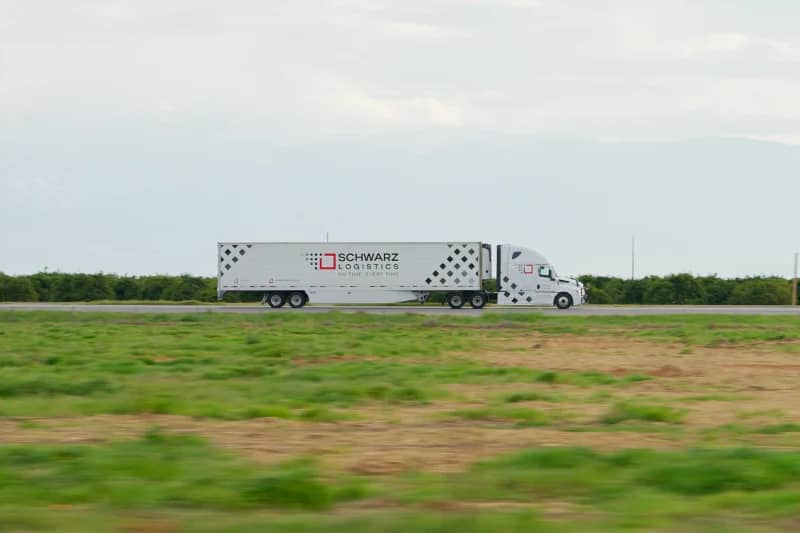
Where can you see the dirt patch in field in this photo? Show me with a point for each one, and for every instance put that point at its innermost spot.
(772, 366)
(729, 367)
(764, 377)
(668, 371)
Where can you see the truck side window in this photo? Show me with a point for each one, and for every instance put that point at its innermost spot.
(516, 254)
(544, 271)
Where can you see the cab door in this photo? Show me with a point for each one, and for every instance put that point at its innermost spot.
(546, 285)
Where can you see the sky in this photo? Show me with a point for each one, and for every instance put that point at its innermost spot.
(134, 135)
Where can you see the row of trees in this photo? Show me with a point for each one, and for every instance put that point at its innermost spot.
(674, 289)
(688, 289)
(61, 287)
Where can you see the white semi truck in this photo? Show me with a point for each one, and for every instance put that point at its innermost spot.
(391, 272)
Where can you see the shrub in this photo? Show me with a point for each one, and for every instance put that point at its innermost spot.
(761, 291)
(16, 289)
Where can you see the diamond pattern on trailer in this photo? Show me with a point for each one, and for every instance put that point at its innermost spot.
(456, 268)
(230, 254)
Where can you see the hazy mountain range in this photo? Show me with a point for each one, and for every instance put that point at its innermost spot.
(156, 197)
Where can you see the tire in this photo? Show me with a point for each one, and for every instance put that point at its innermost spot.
(276, 299)
(563, 300)
(297, 299)
(455, 300)
(477, 300)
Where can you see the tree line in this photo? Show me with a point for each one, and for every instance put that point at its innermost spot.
(63, 287)
(672, 289)
(689, 290)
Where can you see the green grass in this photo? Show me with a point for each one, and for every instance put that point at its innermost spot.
(564, 471)
(642, 488)
(402, 521)
(183, 480)
(289, 364)
(631, 489)
(319, 368)
(775, 429)
(223, 367)
(522, 416)
(283, 365)
(715, 398)
(770, 429)
(160, 470)
(531, 396)
(625, 411)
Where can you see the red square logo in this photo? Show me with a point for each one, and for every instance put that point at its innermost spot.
(527, 269)
(327, 262)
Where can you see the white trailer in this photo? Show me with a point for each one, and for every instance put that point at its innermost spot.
(391, 272)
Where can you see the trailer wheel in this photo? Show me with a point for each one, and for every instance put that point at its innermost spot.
(276, 299)
(563, 300)
(455, 300)
(477, 300)
(297, 299)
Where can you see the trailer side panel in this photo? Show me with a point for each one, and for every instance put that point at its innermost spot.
(330, 269)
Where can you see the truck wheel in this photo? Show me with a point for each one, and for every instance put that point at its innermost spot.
(297, 299)
(563, 301)
(477, 300)
(276, 299)
(455, 300)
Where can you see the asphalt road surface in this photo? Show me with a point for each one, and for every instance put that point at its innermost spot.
(428, 309)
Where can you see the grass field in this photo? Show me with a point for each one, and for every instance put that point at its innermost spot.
(354, 422)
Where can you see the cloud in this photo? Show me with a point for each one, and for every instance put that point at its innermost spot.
(620, 69)
(752, 48)
(719, 42)
(527, 4)
(345, 99)
(426, 32)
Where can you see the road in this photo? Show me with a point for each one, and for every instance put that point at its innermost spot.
(430, 309)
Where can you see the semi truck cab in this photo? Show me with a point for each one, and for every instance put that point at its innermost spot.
(526, 277)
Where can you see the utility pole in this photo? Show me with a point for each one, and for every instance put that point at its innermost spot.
(794, 281)
(326, 237)
(633, 257)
